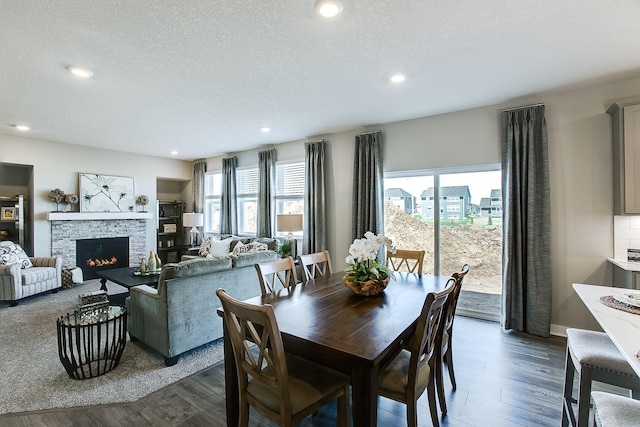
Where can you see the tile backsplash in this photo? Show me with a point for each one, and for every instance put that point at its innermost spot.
(626, 235)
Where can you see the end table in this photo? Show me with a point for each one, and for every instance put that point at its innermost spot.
(91, 344)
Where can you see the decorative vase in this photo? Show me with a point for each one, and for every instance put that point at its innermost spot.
(367, 288)
(151, 263)
(143, 266)
(158, 263)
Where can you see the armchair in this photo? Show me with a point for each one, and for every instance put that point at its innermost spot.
(26, 276)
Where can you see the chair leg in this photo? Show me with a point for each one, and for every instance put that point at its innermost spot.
(584, 397)
(448, 358)
(440, 386)
(343, 409)
(431, 395)
(569, 372)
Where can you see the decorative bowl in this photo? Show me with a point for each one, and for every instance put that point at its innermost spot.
(367, 288)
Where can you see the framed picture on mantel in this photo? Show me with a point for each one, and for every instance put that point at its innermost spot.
(106, 193)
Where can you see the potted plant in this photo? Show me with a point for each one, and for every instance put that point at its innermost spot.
(285, 248)
(365, 275)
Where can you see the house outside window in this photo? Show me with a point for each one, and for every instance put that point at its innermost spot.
(212, 194)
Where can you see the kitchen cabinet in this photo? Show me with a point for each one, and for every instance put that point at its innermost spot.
(170, 235)
(625, 133)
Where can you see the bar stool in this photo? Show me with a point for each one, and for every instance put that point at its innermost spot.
(611, 410)
(594, 356)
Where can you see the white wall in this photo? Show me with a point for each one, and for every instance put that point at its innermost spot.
(57, 165)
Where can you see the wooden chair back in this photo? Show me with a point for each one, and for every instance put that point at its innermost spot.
(250, 325)
(316, 264)
(406, 260)
(452, 303)
(427, 337)
(274, 273)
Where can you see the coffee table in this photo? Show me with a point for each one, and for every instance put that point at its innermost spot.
(126, 277)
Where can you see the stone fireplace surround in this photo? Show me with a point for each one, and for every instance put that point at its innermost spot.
(66, 228)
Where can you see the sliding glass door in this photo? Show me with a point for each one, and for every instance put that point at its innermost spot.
(456, 218)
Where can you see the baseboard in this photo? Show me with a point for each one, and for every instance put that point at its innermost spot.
(492, 317)
(558, 330)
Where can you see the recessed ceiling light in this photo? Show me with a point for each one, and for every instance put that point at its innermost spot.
(22, 128)
(328, 8)
(174, 153)
(397, 78)
(265, 129)
(80, 72)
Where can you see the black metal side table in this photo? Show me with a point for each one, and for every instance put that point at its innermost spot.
(90, 344)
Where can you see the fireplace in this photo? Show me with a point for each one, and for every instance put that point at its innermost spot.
(93, 255)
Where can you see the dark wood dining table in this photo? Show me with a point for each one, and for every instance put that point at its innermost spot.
(323, 321)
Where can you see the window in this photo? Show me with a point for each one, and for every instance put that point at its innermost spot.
(290, 190)
(212, 193)
(468, 229)
(247, 193)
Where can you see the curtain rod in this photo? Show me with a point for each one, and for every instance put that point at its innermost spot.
(539, 104)
(367, 133)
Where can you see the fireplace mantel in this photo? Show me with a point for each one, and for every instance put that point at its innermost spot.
(89, 216)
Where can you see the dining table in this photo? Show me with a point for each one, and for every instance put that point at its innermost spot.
(620, 320)
(322, 321)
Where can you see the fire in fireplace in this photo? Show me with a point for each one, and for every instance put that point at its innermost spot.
(93, 255)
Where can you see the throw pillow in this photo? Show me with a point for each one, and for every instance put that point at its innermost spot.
(205, 246)
(10, 253)
(220, 248)
(239, 248)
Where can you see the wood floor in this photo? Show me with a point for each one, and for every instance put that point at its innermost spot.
(504, 379)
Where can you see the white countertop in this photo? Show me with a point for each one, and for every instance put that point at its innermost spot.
(625, 265)
(622, 327)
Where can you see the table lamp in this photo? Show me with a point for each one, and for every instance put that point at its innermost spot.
(290, 223)
(193, 220)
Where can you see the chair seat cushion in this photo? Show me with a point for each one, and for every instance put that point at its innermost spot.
(33, 275)
(394, 378)
(307, 384)
(615, 411)
(596, 350)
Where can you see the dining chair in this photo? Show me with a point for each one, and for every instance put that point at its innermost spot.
(411, 260)
(612, 410)
(595, 358)
(281, 387)
(273, 273)
(316, 264)
(445, 349)
(413, 369)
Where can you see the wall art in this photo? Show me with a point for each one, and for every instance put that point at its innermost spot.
(106, 193)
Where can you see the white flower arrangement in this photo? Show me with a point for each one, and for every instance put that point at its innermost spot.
(363, 258)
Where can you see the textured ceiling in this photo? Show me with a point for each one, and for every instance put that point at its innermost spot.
(202, 77)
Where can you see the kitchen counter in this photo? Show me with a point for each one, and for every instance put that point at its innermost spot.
(625, 274)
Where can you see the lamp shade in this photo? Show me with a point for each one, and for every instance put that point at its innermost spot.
(289, 222)
(192, 219)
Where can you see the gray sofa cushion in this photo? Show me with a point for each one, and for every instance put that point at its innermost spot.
(194, 267)
(243, 260)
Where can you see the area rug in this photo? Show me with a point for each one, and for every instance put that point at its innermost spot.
(34, 379)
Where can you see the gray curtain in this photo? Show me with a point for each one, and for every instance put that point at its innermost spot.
(526, 258)
(199, 170)
(228, 199)
(315, 214)
(266, 190)
(368, 185)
